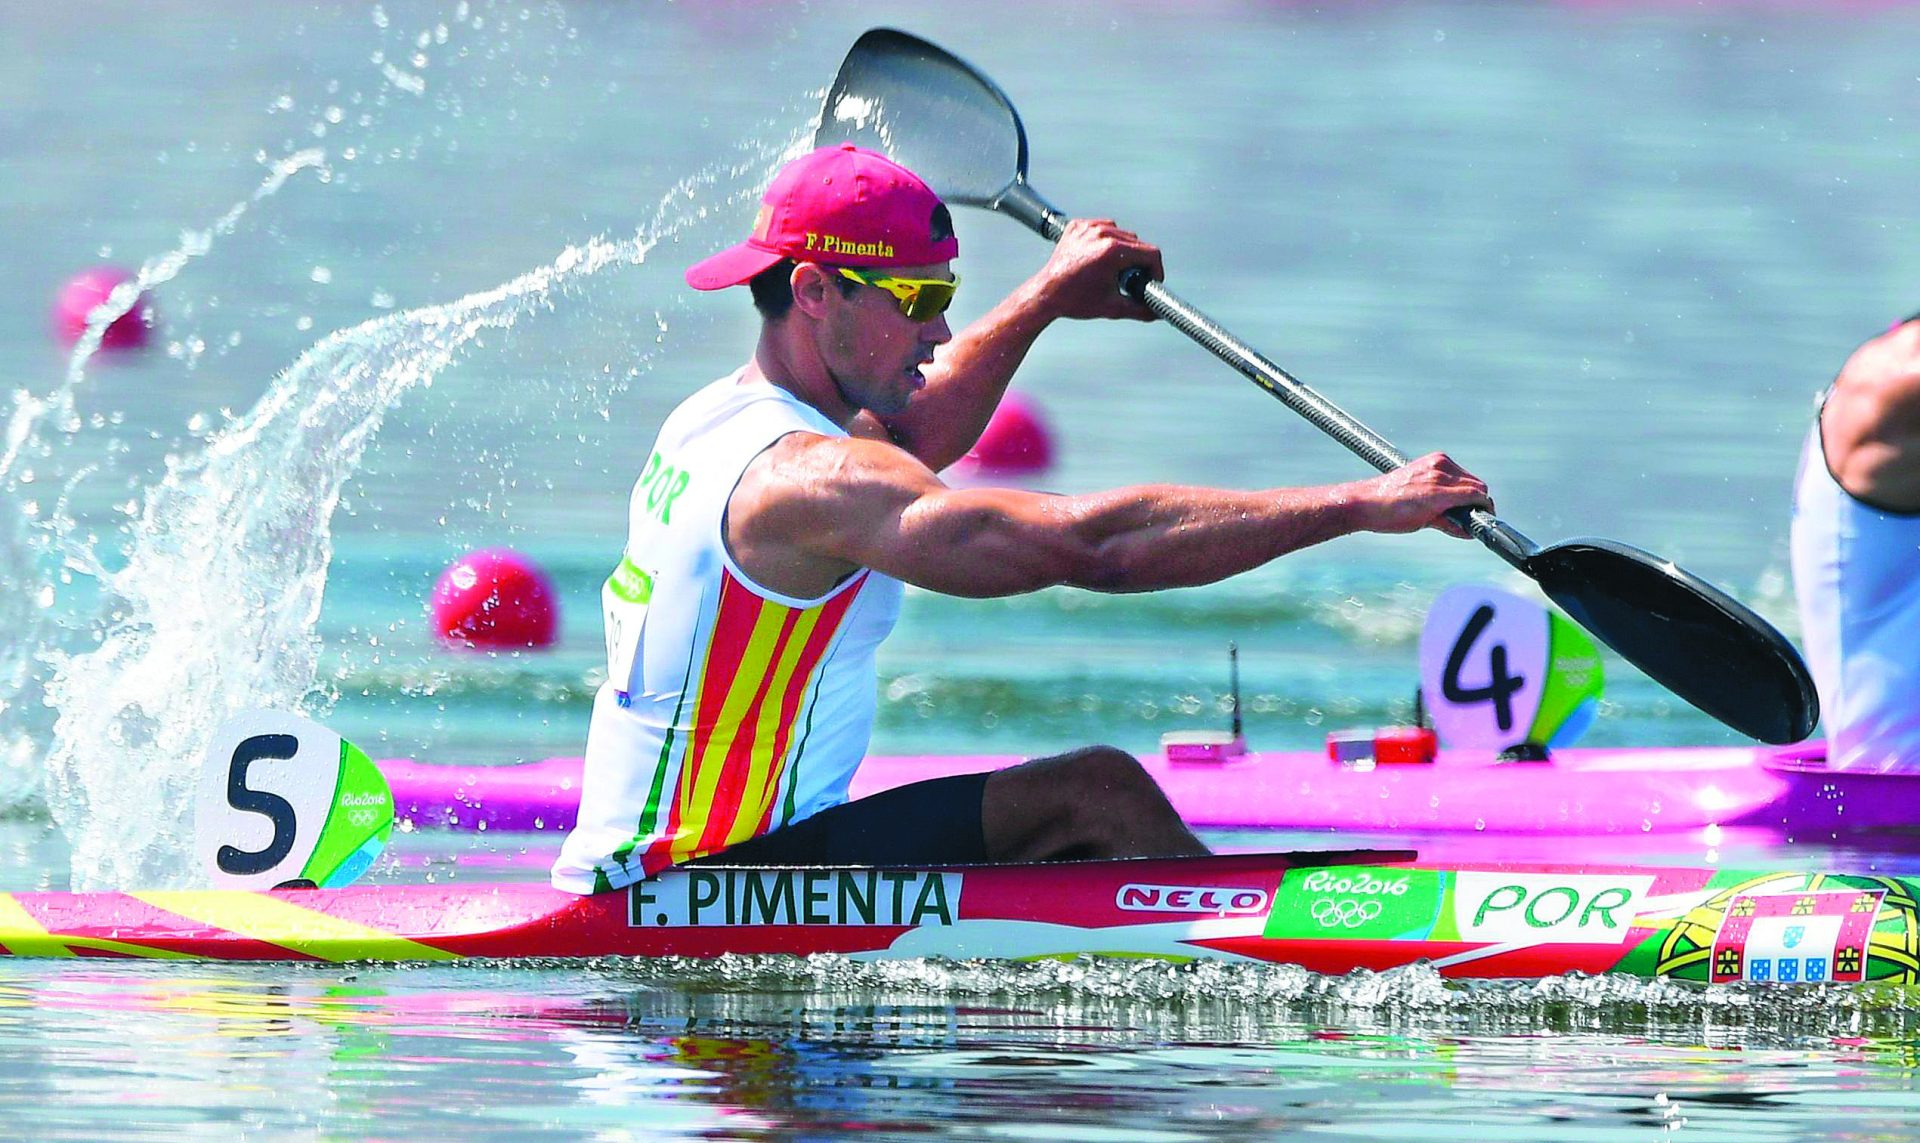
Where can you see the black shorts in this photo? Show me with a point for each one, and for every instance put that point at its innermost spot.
(935, 822)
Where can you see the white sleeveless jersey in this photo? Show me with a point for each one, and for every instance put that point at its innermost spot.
(1856, 575)
(729, 710)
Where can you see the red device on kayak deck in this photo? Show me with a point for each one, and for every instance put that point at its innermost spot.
(1383, 746)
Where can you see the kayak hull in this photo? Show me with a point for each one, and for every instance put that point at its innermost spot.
(1580, 792)
(1326, 912)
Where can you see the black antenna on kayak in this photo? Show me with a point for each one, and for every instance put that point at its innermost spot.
(1211, 746)
(1233, 685)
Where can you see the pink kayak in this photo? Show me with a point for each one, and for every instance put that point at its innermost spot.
(1327, 912)
(1580, 791)
(1330, 913)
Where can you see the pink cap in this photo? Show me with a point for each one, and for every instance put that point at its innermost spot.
(844, 205)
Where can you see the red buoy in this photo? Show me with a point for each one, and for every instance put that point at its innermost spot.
(1016, 440)
(494, 598)
(89, 289)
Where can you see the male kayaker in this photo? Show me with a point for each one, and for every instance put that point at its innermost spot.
(783, 506)
(1856, 554)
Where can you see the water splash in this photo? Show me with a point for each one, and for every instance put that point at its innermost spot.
(33, 429)
(38, 555)
(226, 569)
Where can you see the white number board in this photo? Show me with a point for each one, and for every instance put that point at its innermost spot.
(1483, 666)
(283, 800)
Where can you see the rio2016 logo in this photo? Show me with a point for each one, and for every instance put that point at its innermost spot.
(1349, 902)
(1358, 884)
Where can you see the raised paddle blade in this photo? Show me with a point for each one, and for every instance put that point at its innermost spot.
(904, 97)
(1689, 636)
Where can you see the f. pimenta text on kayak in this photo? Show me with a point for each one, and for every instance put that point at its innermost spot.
(728, 897)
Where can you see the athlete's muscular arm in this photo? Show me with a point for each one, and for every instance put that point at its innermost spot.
(811, 509)
(970, 373)
(1871, 423)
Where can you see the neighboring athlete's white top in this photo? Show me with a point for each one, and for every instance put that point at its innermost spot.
(1856, 574)
(729, 710)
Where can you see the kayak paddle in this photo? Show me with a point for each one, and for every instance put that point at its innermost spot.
(955, 128)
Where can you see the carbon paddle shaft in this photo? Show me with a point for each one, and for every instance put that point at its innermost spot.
(1021, 202)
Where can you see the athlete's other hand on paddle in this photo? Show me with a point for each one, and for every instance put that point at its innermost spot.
(969, 373)
(1082, 275)
(1419, 494)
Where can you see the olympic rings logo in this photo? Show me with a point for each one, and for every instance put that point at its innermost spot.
(362, 817)
(1343, 912)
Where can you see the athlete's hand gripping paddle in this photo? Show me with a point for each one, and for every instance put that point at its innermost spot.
(937, 115)
(284, 803)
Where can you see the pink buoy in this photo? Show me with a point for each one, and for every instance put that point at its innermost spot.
(1016, 440)
(494, 598)
(89, 289)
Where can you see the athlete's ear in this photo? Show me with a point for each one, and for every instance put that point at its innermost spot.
(813, 286)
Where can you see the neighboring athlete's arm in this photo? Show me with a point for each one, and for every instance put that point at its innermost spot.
(1870, 426)
(970, 373)
(814, 508)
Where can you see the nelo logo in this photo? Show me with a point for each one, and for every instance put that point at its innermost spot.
(1189, 899)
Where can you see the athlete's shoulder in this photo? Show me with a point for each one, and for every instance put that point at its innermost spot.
(841, 458)
(1882, 377)
(809, 483)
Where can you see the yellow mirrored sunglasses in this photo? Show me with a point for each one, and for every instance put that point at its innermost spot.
(921, 299)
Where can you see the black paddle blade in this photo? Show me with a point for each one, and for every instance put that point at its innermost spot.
(931, 112)
(1689, 636)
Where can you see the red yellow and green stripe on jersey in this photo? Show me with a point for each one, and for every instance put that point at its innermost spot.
(732, 759)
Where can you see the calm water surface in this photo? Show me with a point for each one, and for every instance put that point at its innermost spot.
(418, 272)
